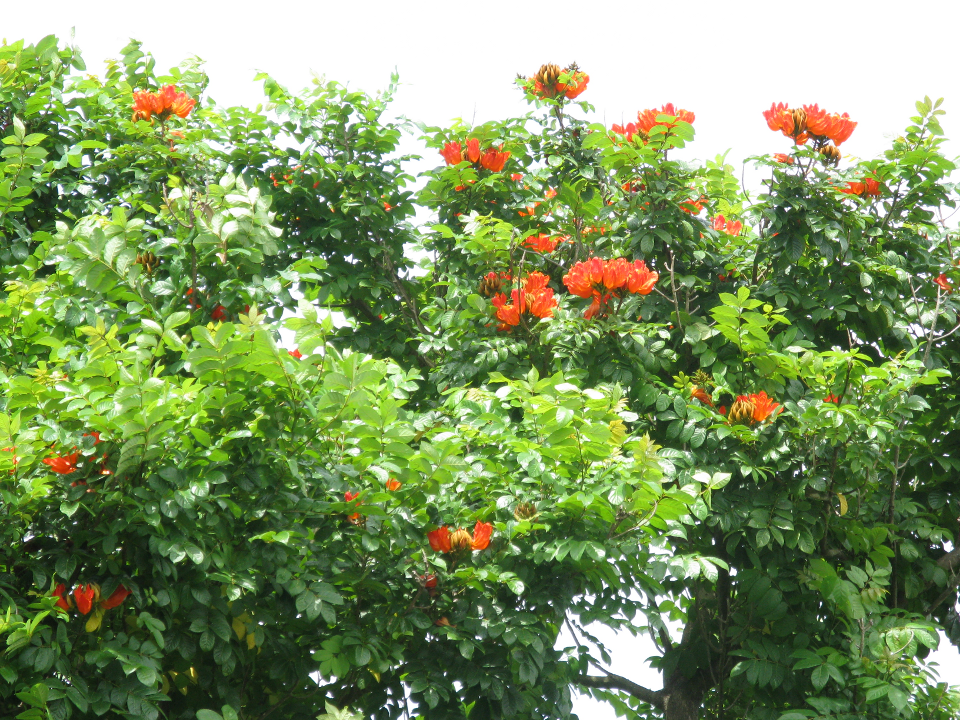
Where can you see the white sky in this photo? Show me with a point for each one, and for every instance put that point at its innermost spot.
(726, 61)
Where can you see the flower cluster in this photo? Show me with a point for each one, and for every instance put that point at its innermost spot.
(87, 597)
(460, 540)
(647, 120)
(601, 280)
(544, 243)
(535, 298)
(547, 83)
(753, 408)
(162, 104)
(730, 227)
(492, 283)
(809, 121)
(492, 159)
(869, 187)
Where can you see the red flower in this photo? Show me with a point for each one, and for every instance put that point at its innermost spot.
(63, 602)
(763, 406)
(494, 160)
(64, 465)
(575, 85)
(642, 280)
(583, 277)
(473, 150)
(853, 188)
(440, 539)
(429, 580)
(219, 313)
(871, 187)
(117, 597)
(647, 119)
(95, 435)
(837, 128)
(628, 130)
(941, 280)
(452, 153)
(701, 395)
(516, 177)
(481, 535)
(693, 207)
(542, 243)
(295, 354)
(387, 206)
(781, 158)
(84, 596)
(393, 484)
(350, 497)
(164, 103)
(831, 398)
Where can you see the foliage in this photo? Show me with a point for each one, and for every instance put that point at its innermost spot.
(751, 435)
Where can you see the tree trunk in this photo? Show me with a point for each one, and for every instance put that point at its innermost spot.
(683, 696)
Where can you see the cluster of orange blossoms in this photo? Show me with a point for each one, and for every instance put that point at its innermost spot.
(442, 540)
(603, 279)
(545, 83)
(730, 227)
(810, 121)
(535, 298)
(162, 104)
(782, 158)
(544, 243)
(869, 187)
(692, 207)
(753, 408)
(491, 159)
(86, 595)
(647, 120)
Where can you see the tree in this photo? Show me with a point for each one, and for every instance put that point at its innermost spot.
(606, 385)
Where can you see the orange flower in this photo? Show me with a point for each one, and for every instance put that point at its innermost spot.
(393, 484)
(730, 227)
(535, 298)
(871, 187)
(481, 535)
(781, 158)
(615, 273)
(597, 307)
(628, 130)
(642, 279)
(452, 153)
(219, 313)
(853, 188)
(516, 177)
(701, 395)
(387, 206)
(295, 354)
(64, 465)
(837, 128)
(494, 160)
(473, 150)
(763, 406)
(63, 602)
(543, 243)
(693, 207)
(575, 86)
(117, 597)
(831, 398)
(941, 280)
(164, 103)
(350, 497)
(507, 314)
(647, 119)
(84, 596)
(440, 539)
(96, 437)
(584, 276)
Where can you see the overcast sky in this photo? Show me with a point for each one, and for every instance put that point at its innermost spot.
(725, 61)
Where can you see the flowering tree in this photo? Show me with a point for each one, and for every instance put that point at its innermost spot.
(614, 389)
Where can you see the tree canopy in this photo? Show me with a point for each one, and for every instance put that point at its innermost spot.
(581, 378)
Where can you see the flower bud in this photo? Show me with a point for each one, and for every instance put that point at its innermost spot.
(741, 411)
(830, 154)
(525, 511)
(799, 121)
(460, 540)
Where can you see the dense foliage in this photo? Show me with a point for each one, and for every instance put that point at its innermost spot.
(601, 384)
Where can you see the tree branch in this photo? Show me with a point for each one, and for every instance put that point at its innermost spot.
(616, 682)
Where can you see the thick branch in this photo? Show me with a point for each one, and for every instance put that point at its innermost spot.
(616, 682)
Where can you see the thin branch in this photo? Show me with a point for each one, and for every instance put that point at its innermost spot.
(616, 682)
